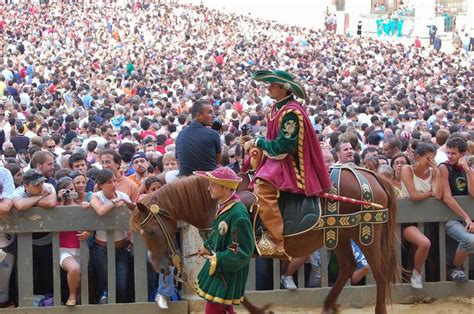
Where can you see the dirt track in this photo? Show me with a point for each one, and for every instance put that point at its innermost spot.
(443, 306)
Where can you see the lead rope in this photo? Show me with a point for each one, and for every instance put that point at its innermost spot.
(176, 260)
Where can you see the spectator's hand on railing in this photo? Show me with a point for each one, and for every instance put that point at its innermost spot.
(85, 205)
(117, 202)
(84, 235)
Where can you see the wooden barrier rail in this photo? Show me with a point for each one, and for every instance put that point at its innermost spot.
(74, 218)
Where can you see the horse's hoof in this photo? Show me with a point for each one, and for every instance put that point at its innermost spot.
(332, 310)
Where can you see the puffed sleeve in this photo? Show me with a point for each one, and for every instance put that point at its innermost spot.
(287, 139)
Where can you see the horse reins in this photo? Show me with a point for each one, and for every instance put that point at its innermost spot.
(156, 212)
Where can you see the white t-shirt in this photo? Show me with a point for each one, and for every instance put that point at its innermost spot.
(21, 193)
(118, 234)
(6, 181)
(440, 157)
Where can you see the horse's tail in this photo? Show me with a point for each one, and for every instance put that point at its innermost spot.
(390, 241)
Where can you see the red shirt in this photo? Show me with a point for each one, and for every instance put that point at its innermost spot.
(69, 239)
(147, 133)
(238, 107)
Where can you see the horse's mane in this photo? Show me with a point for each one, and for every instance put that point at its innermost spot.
(184, 199)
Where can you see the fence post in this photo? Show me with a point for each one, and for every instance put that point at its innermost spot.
(25, 270)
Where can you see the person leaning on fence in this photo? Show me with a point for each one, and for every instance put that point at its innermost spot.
(419, 182)
(69, 245)
(35, 192)
(104, 201)
(7, 241)
(7, 186)
(111, 160)
(458, 179)
(228, 250)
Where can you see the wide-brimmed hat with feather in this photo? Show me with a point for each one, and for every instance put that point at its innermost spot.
(282, 77)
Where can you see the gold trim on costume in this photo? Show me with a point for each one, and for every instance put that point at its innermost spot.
(215, 299)
(225, 209)
(300, 175)
(213, 267)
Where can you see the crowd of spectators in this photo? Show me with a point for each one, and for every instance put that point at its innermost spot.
(94, 98)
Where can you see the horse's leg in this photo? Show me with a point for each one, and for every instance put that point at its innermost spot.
(253, 309)
(374, 257)
(347, 265)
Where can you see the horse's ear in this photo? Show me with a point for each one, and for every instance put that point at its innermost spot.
(142, 208)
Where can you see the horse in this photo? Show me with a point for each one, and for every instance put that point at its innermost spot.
(188, 199)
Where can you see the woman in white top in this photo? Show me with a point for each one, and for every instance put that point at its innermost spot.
(420, 181)
(103, 202)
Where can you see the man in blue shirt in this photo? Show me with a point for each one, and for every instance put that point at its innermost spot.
(198, 147)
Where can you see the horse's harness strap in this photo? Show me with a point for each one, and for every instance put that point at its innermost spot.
(156, 213)
(332, 209)
(327, 222)
(366, 218)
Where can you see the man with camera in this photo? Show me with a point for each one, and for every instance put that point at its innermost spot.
(198, 147)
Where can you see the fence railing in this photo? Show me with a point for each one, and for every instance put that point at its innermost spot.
(74, 218)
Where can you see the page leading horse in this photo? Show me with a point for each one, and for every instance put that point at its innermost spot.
(188, 199)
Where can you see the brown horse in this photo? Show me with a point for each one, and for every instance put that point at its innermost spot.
(187, 199)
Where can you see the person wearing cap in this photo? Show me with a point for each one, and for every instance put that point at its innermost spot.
(228, 250)
(34, 192)
(140, 164)
(292, 161)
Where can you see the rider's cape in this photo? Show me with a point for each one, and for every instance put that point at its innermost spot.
(300, 172)
(223, 279)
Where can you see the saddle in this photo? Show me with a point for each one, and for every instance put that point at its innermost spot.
(300, 213)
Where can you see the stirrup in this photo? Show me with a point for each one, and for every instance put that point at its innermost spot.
(266, 247)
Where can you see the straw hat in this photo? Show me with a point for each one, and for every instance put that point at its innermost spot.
(223, 176)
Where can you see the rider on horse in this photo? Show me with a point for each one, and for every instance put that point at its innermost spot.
(292, 160)
(229, 248)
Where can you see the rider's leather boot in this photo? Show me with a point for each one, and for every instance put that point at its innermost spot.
(269, 212)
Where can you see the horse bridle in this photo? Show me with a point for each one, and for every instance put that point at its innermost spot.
(155, 213)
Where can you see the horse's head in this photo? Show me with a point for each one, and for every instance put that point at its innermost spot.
(156, 217)
(158, 231)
